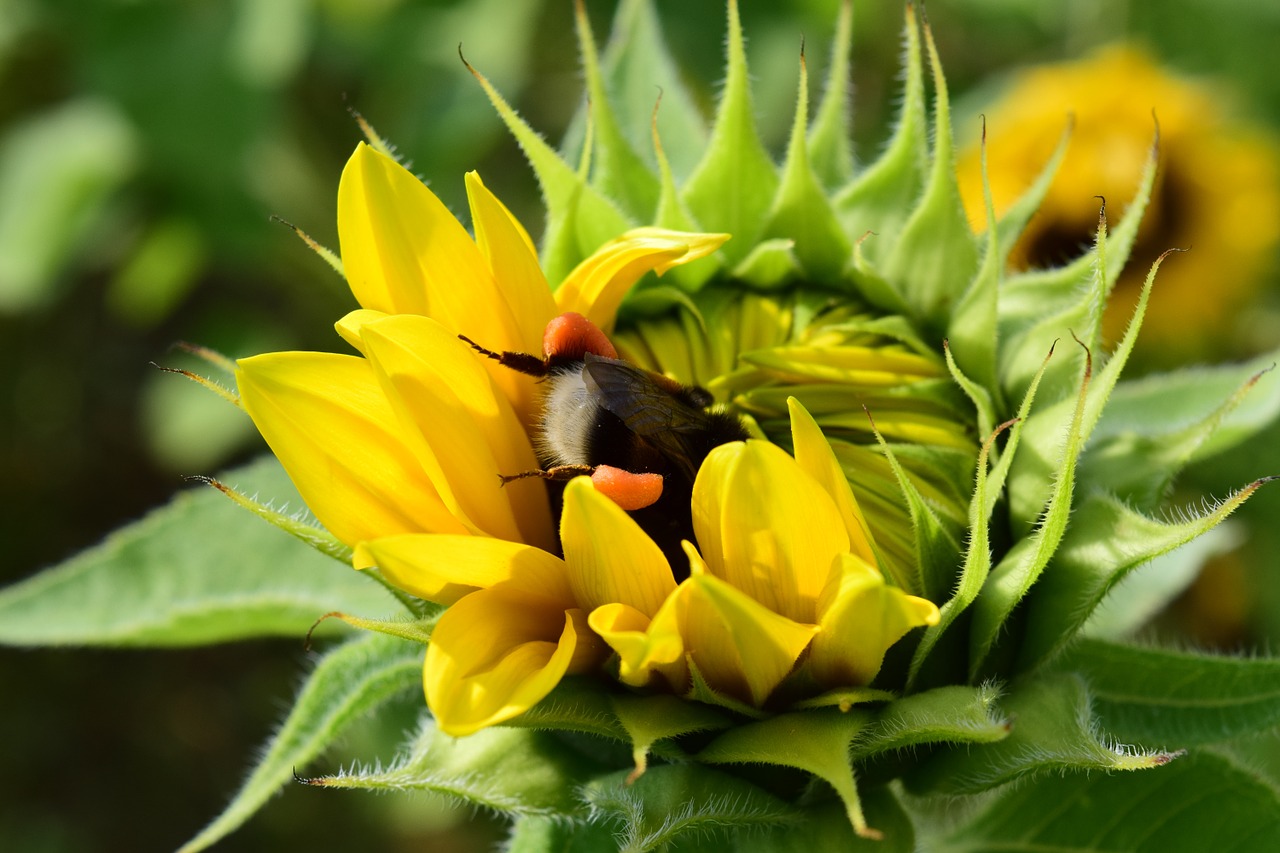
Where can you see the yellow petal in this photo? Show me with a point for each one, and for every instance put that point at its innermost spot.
(766, 526)
(596, 287)
(610, 559)
(642, 645)
(336, 434)
(444, 568)
(862, 617)
(405, 253)
(470, 433)
(815, 456)
(514, 262)
(496, 653)
(349, 326)
(741, 648)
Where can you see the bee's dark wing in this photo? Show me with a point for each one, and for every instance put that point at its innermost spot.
(646, 408)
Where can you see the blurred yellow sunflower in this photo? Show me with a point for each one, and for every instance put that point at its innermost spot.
(1217, 192)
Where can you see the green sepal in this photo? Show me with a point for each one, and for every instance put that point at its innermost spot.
(1040, 306)
(771, 264)
(1009, 582)
(618, 172)
(867, 281)
(509, 770)
(193, 572)
(878, 200)
(649, 719)
(1201, 802)
(942, 715)
(579, 218)
(530, 834)
(675, 804)
(1053, 731)
(816, 742)
(575, 705)
(974, 571)
(977, 393)
(830, 145)
(1163, 697)
(935, 256)
(937, 551)
(734, 184)
(348, 683)
(415, 630)
(635, 61)
(1153, 427)
(1045, 427)
(701, 691)
(846, 697)
(971, 330)
(1106, 541)
(801, 211)
(1014, 222)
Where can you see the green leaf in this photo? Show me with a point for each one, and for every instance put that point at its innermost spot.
(199, 570)
(1106, 541)
(942, 715)
(673, 801)
(1174, 698)
(735, 182)
(347, 683)
(1202, 802)
(575, 705)
(816, 742)
(1053, 730)
(936, 256)
(510, 770)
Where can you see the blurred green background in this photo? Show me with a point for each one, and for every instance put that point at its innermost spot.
(144, 146)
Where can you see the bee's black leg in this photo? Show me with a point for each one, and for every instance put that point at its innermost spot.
(521, 362)
(558, 474)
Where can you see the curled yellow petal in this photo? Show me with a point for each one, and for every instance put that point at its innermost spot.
(766, 526)
(470, 433)
(331, 426)
(610, 559)
(444, 568)
(814, 455)
(352, 322)
(596, 287)
(642, 645)
(861, 618)
(742, 648)
(496, 653)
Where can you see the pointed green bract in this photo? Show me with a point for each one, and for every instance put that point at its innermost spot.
(689, 803)
(816, 742)
(942, 715)
(348, 683)
(879, 199)
(1052, 730)
(514, 771)
(935, 256)
(618, 172)
(830, 146)
(735, 182)
(195, 571)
